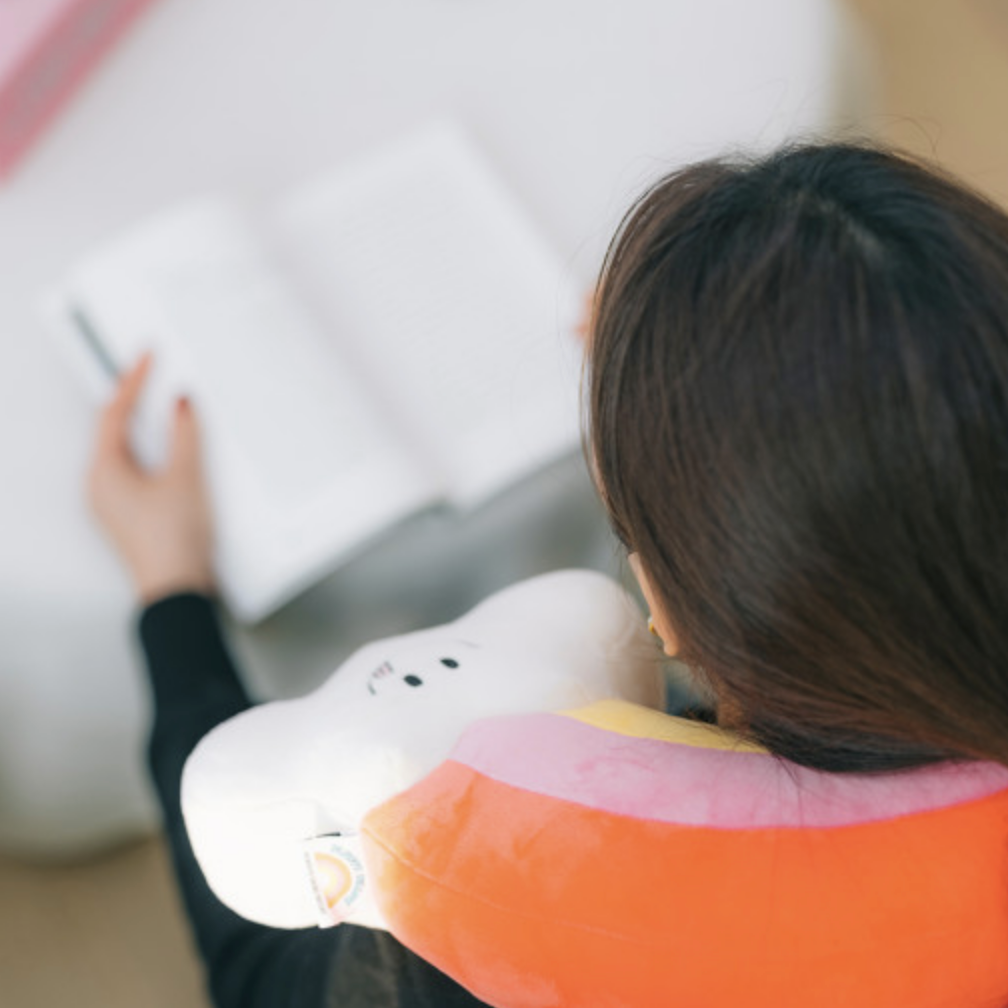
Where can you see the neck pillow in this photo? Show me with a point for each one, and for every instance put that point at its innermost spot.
(274, 798)
(550, 842)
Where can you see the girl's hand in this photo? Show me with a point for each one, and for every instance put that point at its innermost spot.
(159, 522)
(584, 325)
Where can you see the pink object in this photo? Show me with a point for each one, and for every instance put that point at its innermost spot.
(47, 48)
(668, 781)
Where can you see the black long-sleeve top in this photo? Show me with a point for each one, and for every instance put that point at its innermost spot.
(195, 686)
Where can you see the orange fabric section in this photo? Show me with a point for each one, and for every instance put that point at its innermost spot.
(532, 902)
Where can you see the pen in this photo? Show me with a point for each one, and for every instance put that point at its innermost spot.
(94, 342)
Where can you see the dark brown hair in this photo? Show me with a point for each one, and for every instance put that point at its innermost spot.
(799, 421)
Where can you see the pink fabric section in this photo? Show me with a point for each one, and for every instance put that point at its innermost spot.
(670, 782)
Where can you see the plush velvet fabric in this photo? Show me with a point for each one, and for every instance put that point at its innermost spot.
(615, 856)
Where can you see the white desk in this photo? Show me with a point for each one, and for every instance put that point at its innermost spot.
(577, 101)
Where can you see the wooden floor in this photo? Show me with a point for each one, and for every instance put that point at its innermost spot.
(108, 933)
(943, 83)
(103, 934)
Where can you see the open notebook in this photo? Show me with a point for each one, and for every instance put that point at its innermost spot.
(393, 337)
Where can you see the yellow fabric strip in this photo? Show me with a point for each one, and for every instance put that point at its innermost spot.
(635, 721)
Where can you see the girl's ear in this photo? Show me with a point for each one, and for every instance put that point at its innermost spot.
(658, 623)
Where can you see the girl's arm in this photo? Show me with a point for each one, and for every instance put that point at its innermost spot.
(195, 686)
(159, 523)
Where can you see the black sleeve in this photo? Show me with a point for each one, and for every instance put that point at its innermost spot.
(195, 686)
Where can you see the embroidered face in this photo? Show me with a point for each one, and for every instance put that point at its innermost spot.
(427, 672)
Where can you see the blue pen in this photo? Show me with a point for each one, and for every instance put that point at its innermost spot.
(94, 342)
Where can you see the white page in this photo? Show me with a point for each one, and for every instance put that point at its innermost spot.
(451, 300)
(302, 466)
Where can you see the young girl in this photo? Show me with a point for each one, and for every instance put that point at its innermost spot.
(799, 407)
(799, 426)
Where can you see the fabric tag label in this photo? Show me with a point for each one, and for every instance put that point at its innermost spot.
(336, 872)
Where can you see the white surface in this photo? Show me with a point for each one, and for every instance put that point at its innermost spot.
(577, 101)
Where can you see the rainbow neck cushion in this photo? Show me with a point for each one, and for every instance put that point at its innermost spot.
(497, 794)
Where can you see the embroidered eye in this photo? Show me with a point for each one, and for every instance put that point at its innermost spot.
(413, 680)
(449, 663)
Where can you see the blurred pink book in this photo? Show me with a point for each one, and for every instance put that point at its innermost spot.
(47, 48)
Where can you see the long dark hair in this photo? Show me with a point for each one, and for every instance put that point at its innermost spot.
(799, 421)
